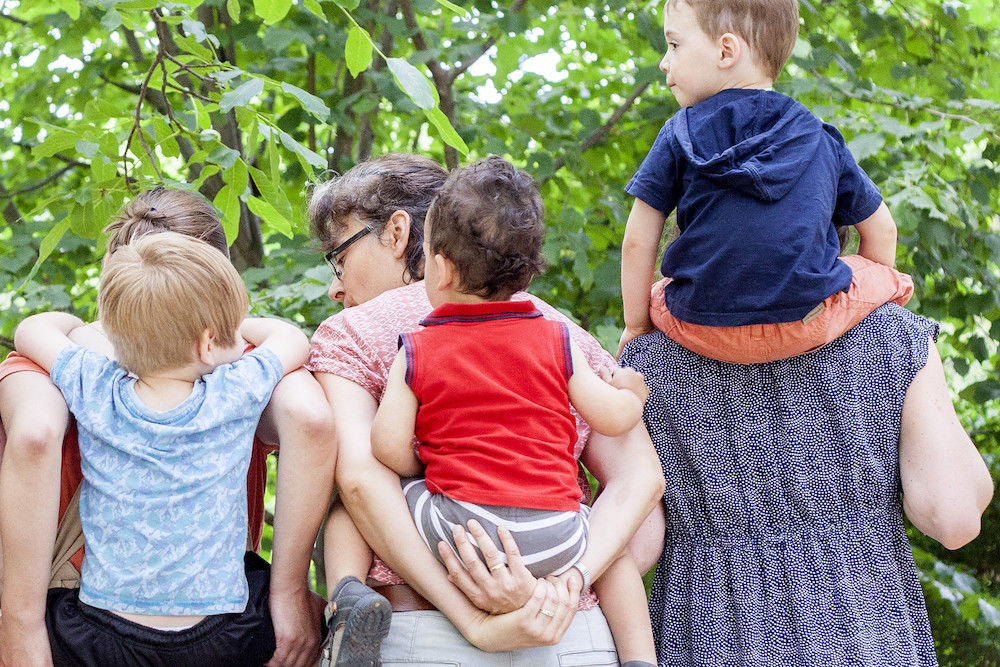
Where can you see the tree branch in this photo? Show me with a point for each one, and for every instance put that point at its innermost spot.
(896, 105)
(13, 19)
(7, 342)
(442, 79)
(599, 134)
(5, 194)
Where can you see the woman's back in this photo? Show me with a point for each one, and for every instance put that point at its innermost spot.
(784, 539)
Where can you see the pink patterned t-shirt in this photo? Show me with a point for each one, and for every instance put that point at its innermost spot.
(360, 343)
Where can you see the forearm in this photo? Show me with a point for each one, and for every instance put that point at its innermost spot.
(639, 247)
(29, 493)
(304, 427)
(42, 337)
(637, 280)
(632, 483)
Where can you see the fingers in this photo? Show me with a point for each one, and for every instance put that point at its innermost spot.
(457, 573)
(475, 567)
(606, 373)
(495, 561)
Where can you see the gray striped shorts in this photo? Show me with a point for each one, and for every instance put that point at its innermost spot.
(549, 541)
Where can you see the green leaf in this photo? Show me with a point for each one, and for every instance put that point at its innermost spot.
(238, 177)
(310, 102)
(233, 9)
(358, 50)
(349, 5)
(71, 7)
(241, 96)
(86, 148)
(453, 7)
(272, 11)
(865, 145)
(270, 216)
(56, 141)
(412, 82)
(315, 8)
(313, 158)
(48, 244)
(448, 133)
(227, 200)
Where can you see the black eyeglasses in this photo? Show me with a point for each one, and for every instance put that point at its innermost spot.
(333, 257)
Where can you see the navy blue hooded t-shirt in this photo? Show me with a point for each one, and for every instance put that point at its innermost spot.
(760, 185)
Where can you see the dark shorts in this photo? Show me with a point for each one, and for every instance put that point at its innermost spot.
(81, 635)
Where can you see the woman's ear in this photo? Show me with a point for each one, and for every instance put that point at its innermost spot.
(397, 232)
(731, 48)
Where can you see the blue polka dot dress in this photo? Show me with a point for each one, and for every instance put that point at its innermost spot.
(785, 542)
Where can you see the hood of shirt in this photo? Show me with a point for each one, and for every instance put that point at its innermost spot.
(754, 141)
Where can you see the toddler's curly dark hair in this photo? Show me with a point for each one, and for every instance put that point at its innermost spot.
(488, 219)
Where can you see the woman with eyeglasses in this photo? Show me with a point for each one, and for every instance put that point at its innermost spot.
(370, 224)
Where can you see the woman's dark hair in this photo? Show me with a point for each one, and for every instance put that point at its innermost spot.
(163, 210)
(488, 219)
(373, 191)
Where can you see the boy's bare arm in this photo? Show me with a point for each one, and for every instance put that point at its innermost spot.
(642, 239)
(286, 341)
(395, 421)
(42, 337)
(92, 337)
(878, 236)
(612, 405)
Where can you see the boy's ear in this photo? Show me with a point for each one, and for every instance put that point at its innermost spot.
(205, 347)
(445, 272)
(397, 232)
(731, 48)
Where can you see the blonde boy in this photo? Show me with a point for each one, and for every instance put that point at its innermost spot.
(760, 186)
(165, 441)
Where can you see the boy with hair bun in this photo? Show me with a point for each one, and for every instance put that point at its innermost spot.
(165, 441)
(486, 388)
(761, 187)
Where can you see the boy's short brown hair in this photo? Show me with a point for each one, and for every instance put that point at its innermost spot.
(160, 293)
(488, 219)
(163, 210)
(770, 27)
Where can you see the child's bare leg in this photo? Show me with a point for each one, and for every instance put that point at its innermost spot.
(359, 617)
(345, 552)
(623, 601)
(34, 416)
(298, 415)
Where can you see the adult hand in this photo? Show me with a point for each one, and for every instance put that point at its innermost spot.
(295, 616)
(542, 621)
(627, 335)
(24, 646)
(493, 587)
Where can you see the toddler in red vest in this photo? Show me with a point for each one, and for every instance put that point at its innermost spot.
(487, 388)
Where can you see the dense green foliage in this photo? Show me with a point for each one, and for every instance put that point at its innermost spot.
(251, 101)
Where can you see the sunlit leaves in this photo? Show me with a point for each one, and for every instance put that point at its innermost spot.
(358, 50)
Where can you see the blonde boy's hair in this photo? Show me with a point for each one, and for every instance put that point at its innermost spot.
(770, 27)
(160, 293)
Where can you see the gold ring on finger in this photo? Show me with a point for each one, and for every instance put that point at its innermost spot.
(547, 612)
(497, 566)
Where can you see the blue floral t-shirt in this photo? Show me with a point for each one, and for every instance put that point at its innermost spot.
(163, 502)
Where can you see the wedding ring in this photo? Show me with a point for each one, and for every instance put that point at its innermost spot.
(547, 612)
(494, 568)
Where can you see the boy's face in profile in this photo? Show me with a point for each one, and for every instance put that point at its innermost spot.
(690, 60)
